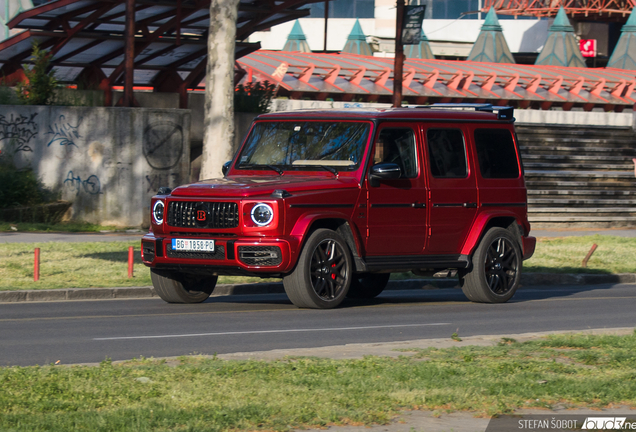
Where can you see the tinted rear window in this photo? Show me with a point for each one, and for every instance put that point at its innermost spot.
(496, 154)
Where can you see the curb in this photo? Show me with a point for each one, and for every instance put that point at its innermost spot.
(69, 294)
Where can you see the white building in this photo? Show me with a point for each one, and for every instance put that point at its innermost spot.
(451, 26)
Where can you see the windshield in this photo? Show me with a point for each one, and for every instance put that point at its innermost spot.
(305, 145)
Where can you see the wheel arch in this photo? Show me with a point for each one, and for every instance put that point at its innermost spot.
(335, 222)
(481, 226)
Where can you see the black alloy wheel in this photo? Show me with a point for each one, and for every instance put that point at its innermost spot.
(496, 271)
(323, 274)
(328, 269)
(501, 266)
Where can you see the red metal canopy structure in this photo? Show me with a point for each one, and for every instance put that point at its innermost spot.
(168, 44)
(582, 10)
(348, 77)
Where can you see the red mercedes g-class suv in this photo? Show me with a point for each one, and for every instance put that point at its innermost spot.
(334, 201)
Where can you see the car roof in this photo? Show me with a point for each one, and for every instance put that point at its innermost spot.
(384, 114)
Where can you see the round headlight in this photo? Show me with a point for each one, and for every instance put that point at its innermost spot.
(262, 214)
(157, 212)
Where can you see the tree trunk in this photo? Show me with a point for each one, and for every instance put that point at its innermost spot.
(218, 123)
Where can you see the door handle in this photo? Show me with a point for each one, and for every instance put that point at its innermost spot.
(418, 205)
(470, 205)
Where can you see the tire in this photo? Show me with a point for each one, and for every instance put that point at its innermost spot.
(175, 287)
(323, 274)
(368, 285)
(496, 270)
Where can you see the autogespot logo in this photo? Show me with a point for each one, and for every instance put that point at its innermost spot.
(605, 423)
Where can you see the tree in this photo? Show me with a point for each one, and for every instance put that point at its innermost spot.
(39, 88)
(218, 124)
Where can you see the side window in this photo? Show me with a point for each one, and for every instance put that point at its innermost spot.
(397, 145)
(496, 154)
(446, 153)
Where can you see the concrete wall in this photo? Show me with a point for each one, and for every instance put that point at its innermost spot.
(107, 161)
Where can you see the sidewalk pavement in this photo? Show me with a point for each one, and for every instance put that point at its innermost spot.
(431, 421)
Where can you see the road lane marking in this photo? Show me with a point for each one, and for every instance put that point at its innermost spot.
(269, 331)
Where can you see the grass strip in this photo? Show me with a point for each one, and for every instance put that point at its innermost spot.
(62, 227)
(77, 265)
(104, 264)
(565, 255)
(195, 394)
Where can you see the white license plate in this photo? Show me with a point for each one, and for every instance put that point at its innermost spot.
(193, 245)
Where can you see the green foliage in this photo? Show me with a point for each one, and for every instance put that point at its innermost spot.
(253, 97)
(21, 187)
(196, 394)
(41, 85)
(8, 95)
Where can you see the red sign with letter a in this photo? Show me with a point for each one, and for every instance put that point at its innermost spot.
(588, 47)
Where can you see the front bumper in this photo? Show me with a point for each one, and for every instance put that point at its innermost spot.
(231, 255)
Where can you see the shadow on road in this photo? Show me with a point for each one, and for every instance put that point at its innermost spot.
(421, 296)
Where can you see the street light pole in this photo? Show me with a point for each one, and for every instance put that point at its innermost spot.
(324, 47)
(399, 55)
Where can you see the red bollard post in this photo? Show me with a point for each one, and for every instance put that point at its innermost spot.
(131, 260)
(36, 265)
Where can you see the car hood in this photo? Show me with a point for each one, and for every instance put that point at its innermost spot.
(253, 186)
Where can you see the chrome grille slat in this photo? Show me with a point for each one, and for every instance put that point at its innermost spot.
(222, 214)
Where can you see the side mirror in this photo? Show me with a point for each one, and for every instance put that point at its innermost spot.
(384, 171)
(226, 167)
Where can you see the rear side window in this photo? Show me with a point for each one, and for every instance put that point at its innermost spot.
(496, 154)
(446, 153)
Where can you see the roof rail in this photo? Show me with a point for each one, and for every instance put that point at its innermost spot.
(503, 112)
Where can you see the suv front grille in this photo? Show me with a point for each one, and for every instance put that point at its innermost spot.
(183, 214)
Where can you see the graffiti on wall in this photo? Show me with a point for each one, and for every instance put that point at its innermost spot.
(155, 181)
(90, 185)
(163, 145)
(64, 133)
(18, 131)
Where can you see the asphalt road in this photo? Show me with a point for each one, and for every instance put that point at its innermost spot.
(90, 331)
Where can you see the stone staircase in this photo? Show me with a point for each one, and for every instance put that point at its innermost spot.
(579, 176)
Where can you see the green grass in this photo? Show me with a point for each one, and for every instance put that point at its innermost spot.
(197, 394)
(104, 264)
(76, 265)
(74, 227)
(565, 255)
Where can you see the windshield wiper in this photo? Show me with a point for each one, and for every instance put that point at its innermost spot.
(272, 167)
(275, 168)
(325, 167)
